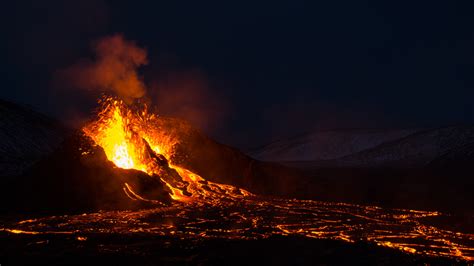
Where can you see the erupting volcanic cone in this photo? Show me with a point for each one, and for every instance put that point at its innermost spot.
(129, 158)
(79, 177)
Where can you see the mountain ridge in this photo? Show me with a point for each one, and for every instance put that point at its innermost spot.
(27, 136)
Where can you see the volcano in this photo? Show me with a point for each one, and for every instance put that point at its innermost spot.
(89, 166)
(132, 182)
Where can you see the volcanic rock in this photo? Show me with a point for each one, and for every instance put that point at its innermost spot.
(78, 177)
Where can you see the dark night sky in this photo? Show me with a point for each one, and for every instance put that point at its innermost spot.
(259, 70)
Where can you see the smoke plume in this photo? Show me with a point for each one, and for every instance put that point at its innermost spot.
(114, 69)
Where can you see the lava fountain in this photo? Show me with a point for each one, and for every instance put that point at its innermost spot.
(131, 140)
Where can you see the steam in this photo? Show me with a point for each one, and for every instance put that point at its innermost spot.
(114, 69)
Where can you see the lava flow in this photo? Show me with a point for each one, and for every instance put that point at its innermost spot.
(206, 210)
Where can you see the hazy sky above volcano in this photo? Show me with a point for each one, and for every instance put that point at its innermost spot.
(248, 72)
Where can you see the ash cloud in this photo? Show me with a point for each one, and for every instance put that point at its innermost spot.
(114, 69)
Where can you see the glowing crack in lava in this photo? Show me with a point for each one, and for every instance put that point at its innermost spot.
(202, 209)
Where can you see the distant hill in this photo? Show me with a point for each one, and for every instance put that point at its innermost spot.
(25, 137)
(327, 145)
(417, 149)
(359, 148)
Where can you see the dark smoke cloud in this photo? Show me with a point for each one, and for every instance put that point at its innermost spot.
(114, 69)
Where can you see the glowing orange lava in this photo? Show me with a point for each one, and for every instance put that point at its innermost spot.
(127, 135)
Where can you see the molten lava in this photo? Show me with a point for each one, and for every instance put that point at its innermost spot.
(129, 137)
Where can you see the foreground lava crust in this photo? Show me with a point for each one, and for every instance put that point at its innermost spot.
(203, 209)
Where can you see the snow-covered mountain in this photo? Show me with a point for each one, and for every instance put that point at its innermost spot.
(417, 149)
(368, 148)
(327, 145)
(25, 137)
